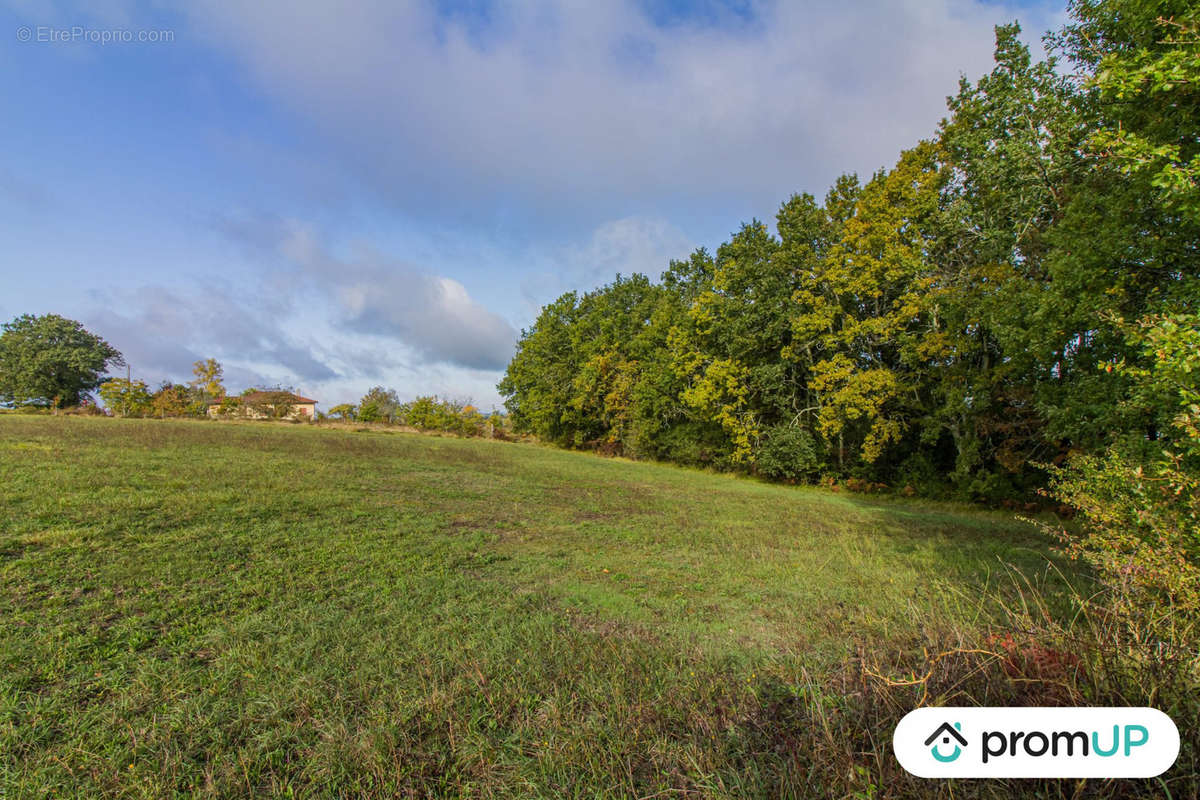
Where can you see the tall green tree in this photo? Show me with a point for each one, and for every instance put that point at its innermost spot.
(1011, 146)
(1133, 231)
(866, 306)
(728, 347)
(610, 335)
(1148, 81)
(537, 384)
(1140, 499)
(52, 361)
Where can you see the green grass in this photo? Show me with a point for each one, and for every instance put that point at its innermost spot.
(219, 609)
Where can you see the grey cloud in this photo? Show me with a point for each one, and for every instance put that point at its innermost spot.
(164, 331)
(433, 315)
(621, 246)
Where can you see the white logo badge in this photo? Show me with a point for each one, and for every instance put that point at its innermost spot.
(1036, 742)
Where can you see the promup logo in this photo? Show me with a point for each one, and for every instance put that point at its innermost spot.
(946, 732)
(1036, 742)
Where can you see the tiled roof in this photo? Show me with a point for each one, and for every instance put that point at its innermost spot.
(262, 397)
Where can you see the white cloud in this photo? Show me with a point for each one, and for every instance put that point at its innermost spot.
(558, 109)
(375, 294)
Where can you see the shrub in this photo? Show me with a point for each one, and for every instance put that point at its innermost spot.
(693, 443)
(380, 405)
(368, 411)
(919, 472)
(788, 452)
(1140, 531)
(84, 409)
(429, 413)
(343, 411)
(128, 398)
(863, 486)
(1140, 517)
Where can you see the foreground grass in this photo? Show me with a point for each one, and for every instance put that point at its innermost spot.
(238, 609)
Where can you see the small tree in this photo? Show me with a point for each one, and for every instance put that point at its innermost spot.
(343, 411)
(379, 405)
(278, 404)
(424, 413)
(171, 400)
(207, 381)
(788, 452)
(51, 361)
(471, 422)
(126, 398)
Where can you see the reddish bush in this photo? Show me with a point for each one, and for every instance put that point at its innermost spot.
(1049, 672)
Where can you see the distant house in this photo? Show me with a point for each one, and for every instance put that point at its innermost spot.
(264, 405)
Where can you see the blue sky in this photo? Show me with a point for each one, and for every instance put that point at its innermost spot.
(338, 195)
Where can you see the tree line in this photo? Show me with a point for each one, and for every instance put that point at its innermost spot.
(54, 363)
(962, 322)
(51, 362)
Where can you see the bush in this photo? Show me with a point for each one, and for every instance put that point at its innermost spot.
(919, 472)
(368, 411)
(433, 414)
(127, 398)
(692, 443)
(1140, 532)
(1140, 518)
(84, 409)
(788, 452)
(344, 411)
(379, 405)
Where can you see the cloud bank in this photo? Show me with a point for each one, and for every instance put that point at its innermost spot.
(602, 109)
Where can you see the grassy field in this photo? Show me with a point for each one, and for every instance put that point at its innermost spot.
(222, 609)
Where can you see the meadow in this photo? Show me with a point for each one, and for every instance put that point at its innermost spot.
(206, 609)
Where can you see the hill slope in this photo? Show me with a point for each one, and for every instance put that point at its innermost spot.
(236, 609)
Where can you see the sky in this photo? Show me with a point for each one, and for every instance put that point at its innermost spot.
(332, 196)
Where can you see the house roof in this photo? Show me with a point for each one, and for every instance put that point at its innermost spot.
(262, 397)
(946, 728)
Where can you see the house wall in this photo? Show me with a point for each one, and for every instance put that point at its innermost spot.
(300, 410)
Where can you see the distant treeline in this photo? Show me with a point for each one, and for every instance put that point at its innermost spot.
(985, 307)
(427, 413)
(52, 364)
